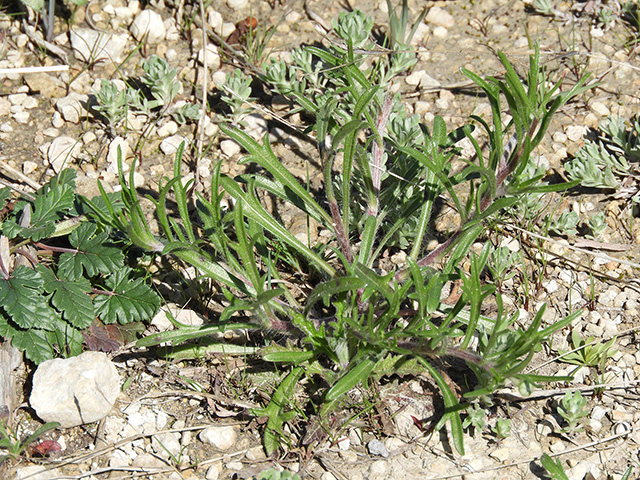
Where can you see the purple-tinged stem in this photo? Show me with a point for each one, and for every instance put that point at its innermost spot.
(377, 154)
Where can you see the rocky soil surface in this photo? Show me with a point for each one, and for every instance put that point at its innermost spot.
(189, 420)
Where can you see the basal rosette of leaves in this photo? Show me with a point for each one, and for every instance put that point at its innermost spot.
(62, 278)
(356, 322)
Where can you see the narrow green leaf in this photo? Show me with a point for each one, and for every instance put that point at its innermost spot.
(254, 209)
(335, 286)
(294, 357)
(186, 333)
(358, 373)
(450, 403)
(263, 156)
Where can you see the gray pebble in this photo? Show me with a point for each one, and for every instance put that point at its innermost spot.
(376, 447)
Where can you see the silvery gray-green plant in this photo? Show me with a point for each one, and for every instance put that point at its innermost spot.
(113, 103)
(572, 409)
(608, 162)
(188, 112)
(237, 90)
(597, 224)
(357, 322)
(159, 78)
(565, 223)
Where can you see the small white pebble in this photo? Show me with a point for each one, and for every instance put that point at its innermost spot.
(229, 148)
(21, 117)
(17, 98)
(29, 167)
(600, 109)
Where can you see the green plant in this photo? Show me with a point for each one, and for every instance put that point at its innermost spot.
(544, 7)
(476, 416)
(255, 43)
(273, 474)
(607, 163)
(237, 94)
(160, 78)
(185, 113)
(502, 429)
(402, 58)
(587, 353)
(13, 445)
(502, 263)
(359, 322)
(572, 409)
(597, 224)
(59, 273)
(565, 224)
(605, 16)
(112, 103)
(554, 468)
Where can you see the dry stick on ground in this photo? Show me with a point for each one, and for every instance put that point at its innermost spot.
(595, 443)
(88, 456)
(21, 177)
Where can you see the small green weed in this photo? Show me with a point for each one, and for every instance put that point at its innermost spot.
(59, 272)
(554, 468)
(502, 429)
(587, 353)
(572, 409)
(152, 96)
(607, 163)
(273, 474)
(565, 224)
(358, 322)
(13, 445)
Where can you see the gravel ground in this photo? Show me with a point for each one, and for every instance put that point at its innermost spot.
(43, 117)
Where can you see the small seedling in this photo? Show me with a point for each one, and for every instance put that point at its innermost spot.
(608, 162)
(572, 409)
(544, 7)
(554, 468)
(501, 264)
(565, 224)
(597, 224)
(113, 103)
(161, 80)
(475, 418)
(237, 93)
(273, 474)
(587, 353)
(186, 113)
(502, 429)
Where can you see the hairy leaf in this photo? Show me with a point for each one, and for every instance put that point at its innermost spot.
(69, 296)
(128, 301)
(95, 254)
(22, 298)
(33, 342)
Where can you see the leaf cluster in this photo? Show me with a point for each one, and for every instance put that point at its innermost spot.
(153, 93)
(609, 161)
(51, 295)
(359, 321)
(572, 409)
